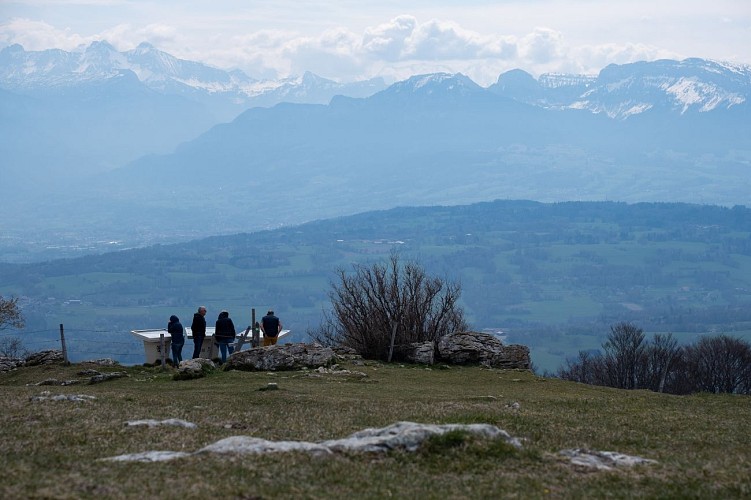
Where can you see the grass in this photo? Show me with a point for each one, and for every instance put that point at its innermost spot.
(51, 449)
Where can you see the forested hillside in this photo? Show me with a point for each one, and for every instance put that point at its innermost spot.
(551, 276)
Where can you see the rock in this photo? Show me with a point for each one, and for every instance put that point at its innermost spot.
(54, 381)
(256, 446)
(422, 353)
(512, 357)
(89, 373)
(282, 357)
(150, 422)
(103, 377)
(603, 460)
(149, 456)
(406, 436)
(103, 362)
(467, 348)
(8, 364)
(410, 435)
(337, 372)
(194, 368)
(346, 353)
(46, 396)
(44, 357)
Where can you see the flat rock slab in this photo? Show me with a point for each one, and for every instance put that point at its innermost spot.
(407, 436)
(603, 460)
(150, 422)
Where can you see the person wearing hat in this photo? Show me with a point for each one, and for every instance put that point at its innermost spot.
(270, 326)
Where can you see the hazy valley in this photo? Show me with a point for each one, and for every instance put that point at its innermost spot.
(108, 150)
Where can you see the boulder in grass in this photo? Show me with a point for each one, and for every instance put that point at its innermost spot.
(7, 364)
(469, 348)
(194, 368)
(282, 357)
(421, 353)
(44, 357)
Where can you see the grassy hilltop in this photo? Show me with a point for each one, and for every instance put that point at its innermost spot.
(51, 449)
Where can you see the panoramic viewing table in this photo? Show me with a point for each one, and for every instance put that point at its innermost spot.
(209, 349)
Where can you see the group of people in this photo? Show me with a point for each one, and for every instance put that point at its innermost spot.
(224, 333)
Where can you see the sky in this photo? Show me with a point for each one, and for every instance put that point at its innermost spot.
(348, 40)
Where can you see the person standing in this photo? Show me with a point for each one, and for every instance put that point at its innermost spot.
(198, 327)
(224, 334)
(270, 326)
(175, 329)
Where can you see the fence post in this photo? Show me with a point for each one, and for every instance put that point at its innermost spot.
(62, 343)
(256, 334)
(161, 351)
(241, 340)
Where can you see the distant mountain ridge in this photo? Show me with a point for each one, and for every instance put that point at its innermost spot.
(619, 91)
(32, 72)
(138, 140)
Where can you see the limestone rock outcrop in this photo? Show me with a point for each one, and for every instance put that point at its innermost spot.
(469, 348)
(282, 357)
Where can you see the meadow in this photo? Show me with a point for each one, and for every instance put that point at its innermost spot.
(54, 449)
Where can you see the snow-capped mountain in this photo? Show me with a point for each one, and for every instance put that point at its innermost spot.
(34, 72)
(109, 127)
(621, 91)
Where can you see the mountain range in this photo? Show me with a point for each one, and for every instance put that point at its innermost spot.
(142, 147)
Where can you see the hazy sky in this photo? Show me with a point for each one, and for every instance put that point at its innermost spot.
(348, 40)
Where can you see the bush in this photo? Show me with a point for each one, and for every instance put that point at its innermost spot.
(389, 304)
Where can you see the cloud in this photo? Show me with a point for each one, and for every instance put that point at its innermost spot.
(38, 35)
(543, 46)
(387, 41)
(394, 49)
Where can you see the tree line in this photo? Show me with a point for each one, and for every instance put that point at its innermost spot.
(628, 360)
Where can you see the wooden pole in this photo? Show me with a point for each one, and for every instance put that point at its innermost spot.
(161, 351)
(62, 343)
(241, 340)
(256, 341)
(393, 337)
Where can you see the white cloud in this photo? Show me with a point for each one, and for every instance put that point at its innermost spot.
(387, 41)
(353, 40)
(38, 35)
(543, 46)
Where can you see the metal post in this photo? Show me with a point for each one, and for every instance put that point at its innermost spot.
(161, 351)
(62, 343)
(256, 334)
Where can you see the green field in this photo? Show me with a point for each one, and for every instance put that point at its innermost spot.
(54, 449)
(552, 276)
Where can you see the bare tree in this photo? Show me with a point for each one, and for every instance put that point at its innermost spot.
(386, 303)
(12, 347)
(10, 316)
(720, 364)
(624, 349)
(586, 368)
(662, 357)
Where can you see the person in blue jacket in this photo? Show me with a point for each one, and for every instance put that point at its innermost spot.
(224, 334)
(175, 329)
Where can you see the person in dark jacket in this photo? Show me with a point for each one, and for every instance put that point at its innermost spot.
(271, 327)
(198, 327)
(175, 329)
(224, 334)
